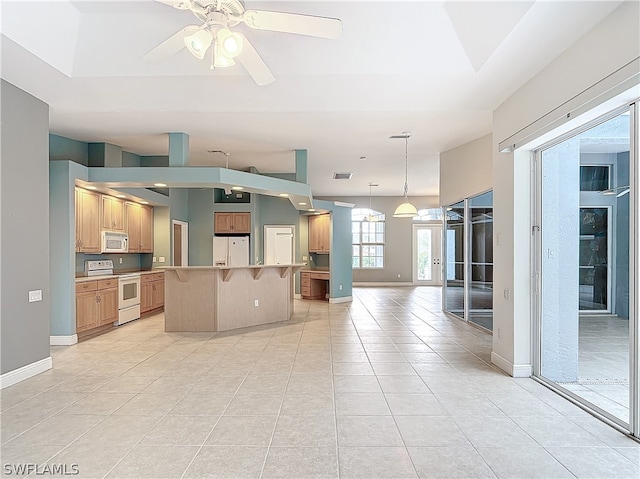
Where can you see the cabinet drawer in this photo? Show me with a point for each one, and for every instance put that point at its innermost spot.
(86, 286)
(324, 276)
(158, 276)
(146, 278)
(305, 281)
(305, 291)
(107, 283)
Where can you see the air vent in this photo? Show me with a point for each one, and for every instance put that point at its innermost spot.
(342, 176)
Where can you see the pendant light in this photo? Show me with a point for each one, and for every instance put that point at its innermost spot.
(406, 209)
(371, 216)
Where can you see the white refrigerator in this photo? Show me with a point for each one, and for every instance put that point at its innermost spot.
(231, 251)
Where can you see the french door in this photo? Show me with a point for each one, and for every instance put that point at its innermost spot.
(427, 248)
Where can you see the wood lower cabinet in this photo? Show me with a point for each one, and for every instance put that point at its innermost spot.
(96, 304)
(232, 223)
(139, 220)
(87, 221)
(319, 233)
(151, 292)
(314, 285)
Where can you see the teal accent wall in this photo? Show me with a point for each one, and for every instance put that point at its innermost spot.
(275, 211)
(62, 233)
(61, 148)
(200, 227)
(130, 159)
(154, 161)
(340, 258)
(301, 166)
(178, 149)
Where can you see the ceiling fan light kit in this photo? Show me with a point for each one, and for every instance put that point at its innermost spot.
(406, 209)
(218, 16)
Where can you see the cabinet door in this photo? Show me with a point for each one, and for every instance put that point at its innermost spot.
(146, 296)
(158, 294)
(86, 311)
(223, 222)
(146, 229)
(112, 213)
(107, 306)
(242, 223)
(319, 233)
(133, 226)
(88, 221)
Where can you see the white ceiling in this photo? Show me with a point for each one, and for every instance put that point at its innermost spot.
(437, 69)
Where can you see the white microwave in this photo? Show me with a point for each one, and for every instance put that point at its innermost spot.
(115, 242)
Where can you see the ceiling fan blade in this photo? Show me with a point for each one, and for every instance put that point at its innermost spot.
(253, 63)
(323, 27)
(170, 46)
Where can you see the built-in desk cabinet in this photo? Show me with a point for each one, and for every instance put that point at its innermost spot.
(87, 210)
(319, 233)
(151, 292)
(231, 223)
(96, 304)
(314, 284)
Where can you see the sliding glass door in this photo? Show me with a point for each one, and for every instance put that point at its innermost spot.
(586, 321)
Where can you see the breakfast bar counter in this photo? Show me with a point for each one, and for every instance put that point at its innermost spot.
(222, 298)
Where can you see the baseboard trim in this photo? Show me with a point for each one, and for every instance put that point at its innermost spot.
(63, 340)
(346, 299)
(297, 296)
(514, 370)
(383, 283)
(25, 372)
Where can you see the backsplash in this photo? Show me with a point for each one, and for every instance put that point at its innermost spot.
(319, 260)
(130, 261)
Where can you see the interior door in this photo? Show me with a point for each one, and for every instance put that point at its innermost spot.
(427, 248)
(278, 244)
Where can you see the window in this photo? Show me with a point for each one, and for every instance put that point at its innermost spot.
(367, 233)
(594, 177)
(431, 214)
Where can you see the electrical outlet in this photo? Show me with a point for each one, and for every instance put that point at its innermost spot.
(304, 258)
(507, 294)
(256, 303)
(398, 275)
(35, 295)
(155, 259)
(120, 260)
(340, 287)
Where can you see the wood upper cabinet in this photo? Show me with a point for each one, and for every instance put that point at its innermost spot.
(87, 221)
(96, 304)
(139, 227)
(319, 233)
(112, 214)
(146, 229)
(232, 223)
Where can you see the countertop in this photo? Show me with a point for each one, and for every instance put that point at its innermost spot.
(82, 277)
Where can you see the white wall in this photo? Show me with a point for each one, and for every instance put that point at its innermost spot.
(610, 46)
(466, 170)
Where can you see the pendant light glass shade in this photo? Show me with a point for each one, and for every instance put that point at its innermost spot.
(406, 209)
(198, 43)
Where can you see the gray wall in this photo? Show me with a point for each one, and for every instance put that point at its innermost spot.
(24, 237)
(398, 237)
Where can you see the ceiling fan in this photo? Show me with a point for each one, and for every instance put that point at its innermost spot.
(218, 17)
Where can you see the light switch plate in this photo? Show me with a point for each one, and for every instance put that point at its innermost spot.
(161, 259)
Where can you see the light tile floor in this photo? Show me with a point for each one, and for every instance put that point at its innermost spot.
(384, 387)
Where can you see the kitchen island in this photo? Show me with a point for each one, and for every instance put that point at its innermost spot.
(222, 298)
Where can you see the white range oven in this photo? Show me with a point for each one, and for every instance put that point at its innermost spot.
(128, 297)
(128, 289)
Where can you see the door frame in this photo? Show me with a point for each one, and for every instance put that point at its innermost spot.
(435, 225)
(185, 241)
